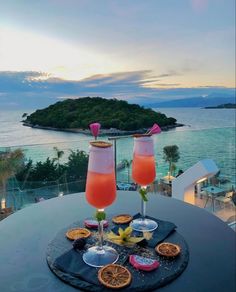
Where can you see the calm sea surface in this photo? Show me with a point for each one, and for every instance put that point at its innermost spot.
(207, 134)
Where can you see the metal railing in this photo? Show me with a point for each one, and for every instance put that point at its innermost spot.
(28, 192)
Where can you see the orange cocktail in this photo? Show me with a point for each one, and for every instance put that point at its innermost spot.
(100, 193)
(100, 189)
(143, 173)
(143, 170)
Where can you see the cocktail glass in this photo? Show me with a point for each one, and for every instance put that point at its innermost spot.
(143, 173)
(100, 193)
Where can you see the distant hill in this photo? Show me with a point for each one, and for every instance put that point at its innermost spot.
(225, 105)
(111, 113)
(210, 100)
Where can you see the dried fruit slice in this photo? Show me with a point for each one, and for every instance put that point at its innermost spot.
(100, 144)
(91, 223)
(143, 263)
(141, 135)
(75, 233)
(168, 249)
(114, 276)
(122, 219)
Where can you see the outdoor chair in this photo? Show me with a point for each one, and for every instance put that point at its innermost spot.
(203, 194)
(227, 198)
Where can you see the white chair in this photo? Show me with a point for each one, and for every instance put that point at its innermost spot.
(227, 198)
(203, 193)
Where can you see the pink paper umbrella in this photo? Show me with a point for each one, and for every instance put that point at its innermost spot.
(94, 128)
(155, 129)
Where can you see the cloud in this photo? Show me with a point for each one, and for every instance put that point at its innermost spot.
(169, 74)
(38, 89)
(168, 84)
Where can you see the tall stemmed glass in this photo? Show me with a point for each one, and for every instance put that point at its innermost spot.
(100, 193)
(143, 173)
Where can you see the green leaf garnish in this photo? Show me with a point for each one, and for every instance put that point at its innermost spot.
(143, 193)
(100, 215)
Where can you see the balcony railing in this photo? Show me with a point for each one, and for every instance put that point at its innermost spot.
(23, 190)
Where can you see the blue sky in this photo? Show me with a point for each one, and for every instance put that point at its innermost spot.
(135, 50)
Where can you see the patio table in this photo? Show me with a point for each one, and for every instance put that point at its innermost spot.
(214, 192)
(24, 237)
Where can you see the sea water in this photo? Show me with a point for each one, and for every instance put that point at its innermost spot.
(208, 133)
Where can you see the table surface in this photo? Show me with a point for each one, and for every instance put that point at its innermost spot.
(24, 237)
(213, 190)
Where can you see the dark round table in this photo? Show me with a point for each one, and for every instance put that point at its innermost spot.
(24, 237)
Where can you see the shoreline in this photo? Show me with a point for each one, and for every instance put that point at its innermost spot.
(103, 132)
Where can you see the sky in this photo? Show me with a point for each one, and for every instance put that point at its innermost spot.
(134, 50)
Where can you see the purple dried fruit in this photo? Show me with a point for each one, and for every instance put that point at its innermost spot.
(79, 243)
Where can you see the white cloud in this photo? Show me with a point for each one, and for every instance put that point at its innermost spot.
(26, 51)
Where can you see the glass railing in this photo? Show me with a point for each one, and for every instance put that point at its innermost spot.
(56, 169)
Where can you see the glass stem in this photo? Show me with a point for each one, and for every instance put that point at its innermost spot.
(143, 205)
(100, 231)
(143, 209)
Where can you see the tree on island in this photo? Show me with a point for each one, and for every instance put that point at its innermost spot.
(171, 155)
(111, 113)
(25, 115)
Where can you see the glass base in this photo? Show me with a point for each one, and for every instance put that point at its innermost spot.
(143, 225)
(97, 257)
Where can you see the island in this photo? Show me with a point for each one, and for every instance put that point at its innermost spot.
(117, 117)
(225, 105)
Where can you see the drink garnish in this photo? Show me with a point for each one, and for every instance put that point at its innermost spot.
(155, 129)
(100, 144)
(122, 219)
(92, 223)
(141, 135)
(168, 249)
(124, 237)
(143, 193)
(94, 128)
(100, 215)
(75, 233)
(143, 263)
(114, 276)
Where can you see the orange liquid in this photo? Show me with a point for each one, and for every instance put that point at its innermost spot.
(143, 169)
(100, 189)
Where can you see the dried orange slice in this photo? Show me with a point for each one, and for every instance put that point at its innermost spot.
(114, 276)
(122, 219)
(141, 135)
(75, 233)
(168, 249)
(100, 144)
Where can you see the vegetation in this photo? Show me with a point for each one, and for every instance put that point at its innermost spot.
(127, 164)
(10, 162)
(225, 105)
(111, 113)
(59, 154)
(51, 170)
(171, 155)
